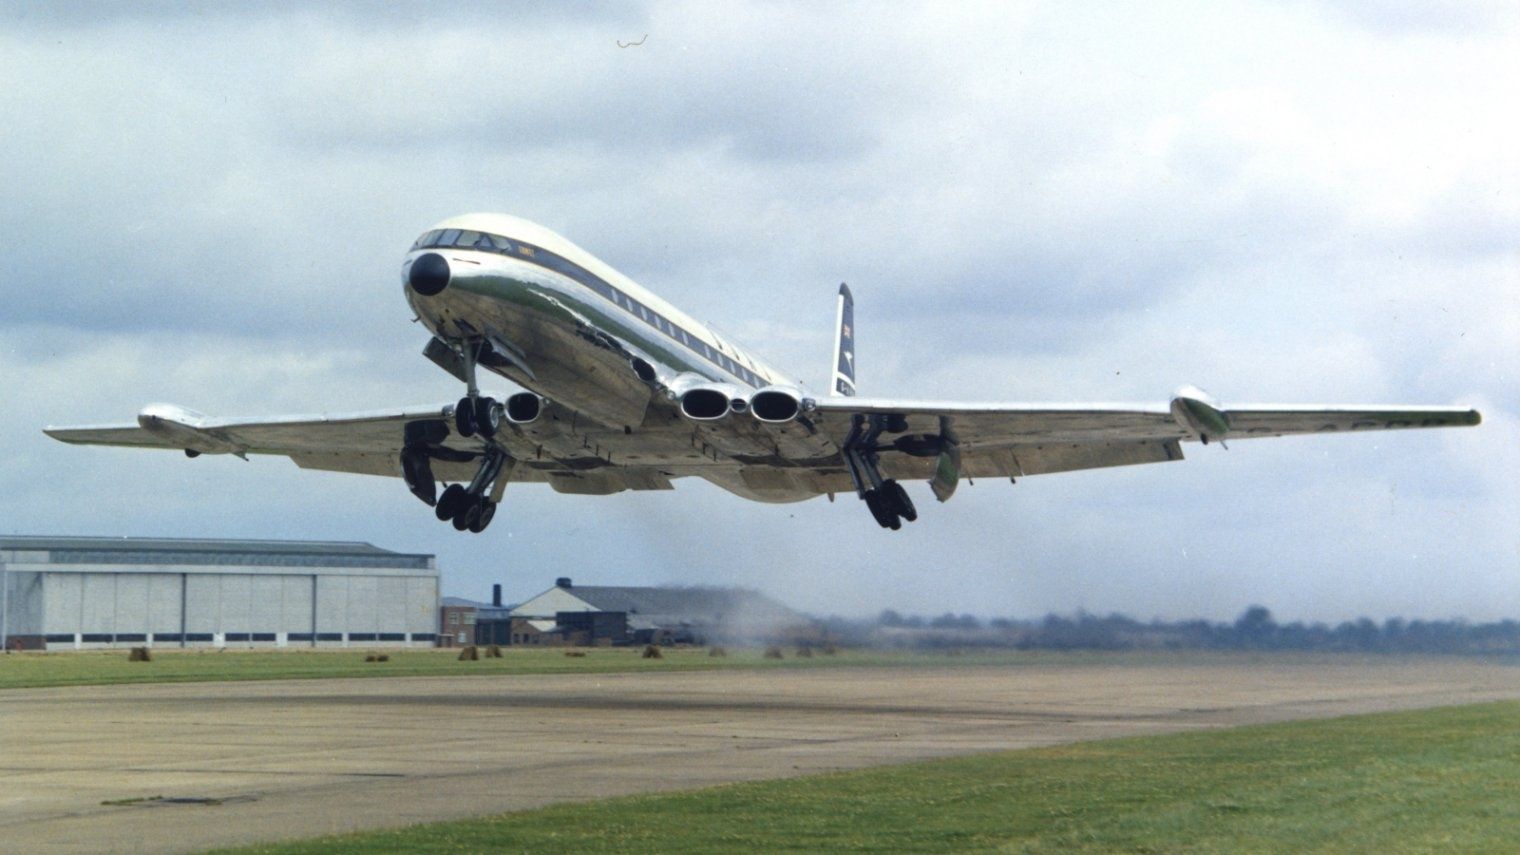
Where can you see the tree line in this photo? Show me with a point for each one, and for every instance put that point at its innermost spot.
(1254, 629)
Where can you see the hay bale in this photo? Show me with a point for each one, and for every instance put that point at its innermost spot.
(773, 652)
(469, 654)
(652, 651)
(384, 657)
(494, 651)
(830, 649)
(140, 654)
(805, 652)
(371, 658)
(718, 651)
(578, 654)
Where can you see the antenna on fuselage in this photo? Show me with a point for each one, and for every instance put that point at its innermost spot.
(843, 380)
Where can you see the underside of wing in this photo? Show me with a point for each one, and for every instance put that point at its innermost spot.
(917, 439)
(1262, 420)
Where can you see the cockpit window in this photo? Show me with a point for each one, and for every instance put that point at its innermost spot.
(467, 239)
(501, 243)
(447, 237)
(484, 242)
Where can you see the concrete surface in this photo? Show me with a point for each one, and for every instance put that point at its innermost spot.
(302, 758)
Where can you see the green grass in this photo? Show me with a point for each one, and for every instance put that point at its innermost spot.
(1432, 780)
(32, 670)
(93, 668)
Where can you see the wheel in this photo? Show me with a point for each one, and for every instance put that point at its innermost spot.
(487, 417)
(449, 503)
(464, 417)
(483, 518)
(417, 471)
(466, 515)
(897, 499)
(883, 514)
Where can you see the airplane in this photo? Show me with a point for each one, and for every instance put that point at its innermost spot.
(623, 391)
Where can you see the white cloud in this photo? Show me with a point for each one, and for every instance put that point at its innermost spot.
(1030, 201)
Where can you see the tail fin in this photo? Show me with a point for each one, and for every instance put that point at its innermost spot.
(843, 381)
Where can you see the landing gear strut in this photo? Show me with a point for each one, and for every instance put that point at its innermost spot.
(886, 499)
(469, 508)
(475, 414)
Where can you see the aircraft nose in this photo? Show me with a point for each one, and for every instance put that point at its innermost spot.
(429, 274)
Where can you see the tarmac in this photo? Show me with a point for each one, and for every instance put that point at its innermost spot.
(239, 763)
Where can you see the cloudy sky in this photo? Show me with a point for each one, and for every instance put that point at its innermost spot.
(1279, 202)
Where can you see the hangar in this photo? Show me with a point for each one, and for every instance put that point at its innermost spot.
(727, 615)
(76, 593)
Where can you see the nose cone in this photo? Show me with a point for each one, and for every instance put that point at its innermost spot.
(429, 274)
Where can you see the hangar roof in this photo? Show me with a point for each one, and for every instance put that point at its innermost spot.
(153, 550)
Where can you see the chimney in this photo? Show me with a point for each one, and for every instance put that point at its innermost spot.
(562, 582)
(496, 595)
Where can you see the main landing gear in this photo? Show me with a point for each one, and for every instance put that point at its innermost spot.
(886, 499)
(468, 507)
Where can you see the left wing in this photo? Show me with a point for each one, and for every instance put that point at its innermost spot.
(367, 443)
(1033, 439)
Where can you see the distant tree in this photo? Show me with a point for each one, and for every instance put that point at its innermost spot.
(1255, 627)
(890, 617)
(948, 620)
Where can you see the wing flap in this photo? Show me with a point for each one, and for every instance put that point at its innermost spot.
(1007, 424)
(1263, 420)
(124, 436)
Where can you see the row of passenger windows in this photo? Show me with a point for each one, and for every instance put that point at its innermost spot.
(483, 242)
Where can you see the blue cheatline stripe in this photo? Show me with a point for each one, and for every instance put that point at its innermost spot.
(537, 255)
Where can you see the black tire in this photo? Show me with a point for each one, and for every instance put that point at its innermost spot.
(466, 515)
(879, 510)
(449, 503)
(898, 500)
(487, 417)
(464, 417)
(483, 519)
(418, 474)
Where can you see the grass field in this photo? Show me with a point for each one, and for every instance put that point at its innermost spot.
(87, 668)
(31, 670)
(1432, 780)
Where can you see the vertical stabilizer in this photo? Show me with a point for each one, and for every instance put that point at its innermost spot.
(843, 381)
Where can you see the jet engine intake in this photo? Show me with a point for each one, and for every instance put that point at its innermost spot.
(524, 408)
(776, 404)
(710, 403)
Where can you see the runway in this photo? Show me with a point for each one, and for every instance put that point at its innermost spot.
(260, 761)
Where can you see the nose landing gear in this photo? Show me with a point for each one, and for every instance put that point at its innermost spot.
(475, 414)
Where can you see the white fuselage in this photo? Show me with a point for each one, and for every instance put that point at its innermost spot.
(547, 299)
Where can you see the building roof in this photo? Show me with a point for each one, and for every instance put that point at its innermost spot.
(738, 610)
(154, 550)
(463, 603)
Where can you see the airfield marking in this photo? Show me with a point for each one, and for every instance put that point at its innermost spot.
(260, 761)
